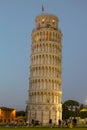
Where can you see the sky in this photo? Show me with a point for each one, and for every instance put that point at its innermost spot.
(17, 20)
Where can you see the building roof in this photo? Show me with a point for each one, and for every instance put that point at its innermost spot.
(5, 108)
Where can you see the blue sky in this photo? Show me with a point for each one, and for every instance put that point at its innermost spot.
(17, 20)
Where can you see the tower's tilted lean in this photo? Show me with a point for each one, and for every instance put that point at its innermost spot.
(45, 91)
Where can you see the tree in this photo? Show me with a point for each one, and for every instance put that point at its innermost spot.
(81, 106)
(65, 112)
(72, 109)
(71, 104)
(20, 113)
(83, 113)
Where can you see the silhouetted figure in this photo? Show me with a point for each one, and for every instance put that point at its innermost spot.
(50, 122)
(32, 122)
(59, 123)
(74, 122)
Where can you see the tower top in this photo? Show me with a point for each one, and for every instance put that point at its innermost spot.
(46, 21)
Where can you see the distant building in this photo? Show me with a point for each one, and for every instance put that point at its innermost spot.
(45, 83)
(7, 115)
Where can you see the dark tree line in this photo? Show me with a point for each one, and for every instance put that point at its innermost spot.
(72, 108)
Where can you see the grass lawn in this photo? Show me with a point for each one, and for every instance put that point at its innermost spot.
(40, 128)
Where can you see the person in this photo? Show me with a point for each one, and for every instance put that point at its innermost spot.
(74, 122)
(66, 123)
(33, 122)
(59, 123)
(50, 123)
(70, 124)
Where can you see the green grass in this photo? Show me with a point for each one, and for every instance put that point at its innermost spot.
(41, 128)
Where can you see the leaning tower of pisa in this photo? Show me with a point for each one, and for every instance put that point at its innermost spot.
(45, 91)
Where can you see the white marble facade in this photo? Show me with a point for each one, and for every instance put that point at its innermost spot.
(45, 91)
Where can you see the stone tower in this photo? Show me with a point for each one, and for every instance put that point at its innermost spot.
(45, 91)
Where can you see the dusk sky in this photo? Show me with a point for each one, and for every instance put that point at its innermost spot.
(17, 20)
